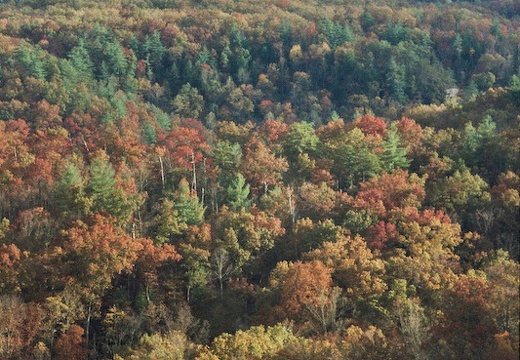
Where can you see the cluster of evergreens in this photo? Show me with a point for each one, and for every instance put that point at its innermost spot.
(272, 180)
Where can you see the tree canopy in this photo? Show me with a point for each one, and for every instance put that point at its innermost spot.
(273, 180)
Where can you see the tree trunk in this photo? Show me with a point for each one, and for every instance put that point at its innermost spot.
(162, 171)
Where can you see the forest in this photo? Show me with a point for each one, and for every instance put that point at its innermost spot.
(277, 179)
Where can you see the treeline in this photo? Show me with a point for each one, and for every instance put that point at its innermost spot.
(281, 180)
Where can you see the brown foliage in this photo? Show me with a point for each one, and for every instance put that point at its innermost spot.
(302, 285)
(371, 125)
(96, 251)
(20, 324)
(261, 166)
(71, 345)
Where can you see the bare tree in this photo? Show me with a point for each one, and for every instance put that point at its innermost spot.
(221, 266)
(325, 309)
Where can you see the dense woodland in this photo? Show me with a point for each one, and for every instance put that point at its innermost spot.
(277, 179)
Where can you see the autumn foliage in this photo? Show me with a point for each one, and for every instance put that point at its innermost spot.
(278, 179)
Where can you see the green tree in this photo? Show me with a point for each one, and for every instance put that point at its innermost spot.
(190, 208)
(238, 106)
(153, 51)
(241, 58)
(81, 62)
(68, 197)
(32, 59)
(113, 64)
(227, 155)
(238, 193)
(483, 151)
(107, 193)
(394, 154)
(514, 87)
(301, 139)
(484, 81)
(307, 235)
(197, 266)
(359, 164)
(396, 32)
(461, 196)
(167, 222)
(396, 81)
(101, 186)
(188, 103)
(247, 236)
(353, 154)
(336, 33)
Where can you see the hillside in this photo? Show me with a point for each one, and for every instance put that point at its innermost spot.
(272, 180)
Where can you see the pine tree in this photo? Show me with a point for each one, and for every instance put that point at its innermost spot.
(69, 198)
(396, 78)
(394, 154)
(80, 61)
(237, 194)
(107, 195)
(190, 209)
(188, 103)
(102, 184)
(32, 59)
(167, 222)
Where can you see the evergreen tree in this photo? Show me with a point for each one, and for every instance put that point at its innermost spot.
(69, 198)
(190, 209)
(360, 164)
(336, 33)
(153, 51)
(188, 103)
(394, 154)
(241, 59)
(32, 60)
(396, 81)
(227, 155)
(82, 64)
(237, 194)
(106, 194)
(167, 223)
(101, 186)
(300, 139)
(514, 87)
